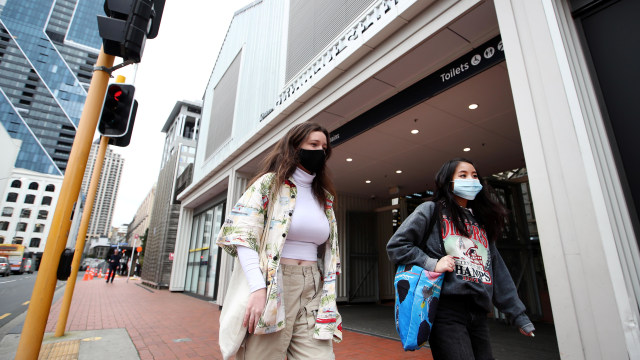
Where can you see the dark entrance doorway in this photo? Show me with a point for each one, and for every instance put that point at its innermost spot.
(363, 257)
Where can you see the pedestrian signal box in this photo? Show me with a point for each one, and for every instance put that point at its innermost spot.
(116, 110)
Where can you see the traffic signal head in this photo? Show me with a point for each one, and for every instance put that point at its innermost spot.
(124, 140)
(127, 25)
(116, 110)
(158, 8)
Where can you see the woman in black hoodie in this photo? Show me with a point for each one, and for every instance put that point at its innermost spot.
(463, 246)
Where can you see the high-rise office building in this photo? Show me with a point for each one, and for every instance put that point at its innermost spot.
(105, 200)
(47, 52)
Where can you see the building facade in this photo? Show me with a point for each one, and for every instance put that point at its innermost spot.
(107, 192)
(28, 205)
(535, 92)
(10, 150)
(47, 52)
(181, 129)
(140, 222)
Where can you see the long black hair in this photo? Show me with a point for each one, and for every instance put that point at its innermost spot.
(486, 208)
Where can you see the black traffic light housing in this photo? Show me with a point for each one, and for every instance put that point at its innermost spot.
(158, 8)
(124, 140)
(127, 26)
(116, 110)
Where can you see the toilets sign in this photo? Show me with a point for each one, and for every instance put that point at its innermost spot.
(457, 71)
(478, 59)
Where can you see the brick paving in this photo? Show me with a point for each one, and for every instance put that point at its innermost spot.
(165, 325)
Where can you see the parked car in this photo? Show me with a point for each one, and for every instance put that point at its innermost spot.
(5, 268)
(86, 263)
(91, 263)
(28, 266)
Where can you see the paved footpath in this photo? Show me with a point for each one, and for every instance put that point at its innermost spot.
(165, 325)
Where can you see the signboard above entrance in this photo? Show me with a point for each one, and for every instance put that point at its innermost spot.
(362, 33)
(472, 63)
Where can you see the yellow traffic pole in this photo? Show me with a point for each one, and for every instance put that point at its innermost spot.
(40, 305)
(80, 240)
(82, 233)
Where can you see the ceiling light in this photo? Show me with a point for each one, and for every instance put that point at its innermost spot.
(473, 106)
(415, 131)
(398, 171)
(349, 159)
(368, 181)
(466, 149)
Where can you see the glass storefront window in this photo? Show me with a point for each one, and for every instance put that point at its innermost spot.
(203, 253)
(191, 256)
(196, 261)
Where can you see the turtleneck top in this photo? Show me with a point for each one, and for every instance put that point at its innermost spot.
(309, 225)
(309, 228)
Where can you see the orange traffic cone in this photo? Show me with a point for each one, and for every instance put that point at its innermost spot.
(91, 274)
(100, 274)
(86, 276)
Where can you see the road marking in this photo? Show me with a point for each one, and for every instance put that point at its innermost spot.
(26, 302)
(96, 338)
(4, 316)
(6, 282)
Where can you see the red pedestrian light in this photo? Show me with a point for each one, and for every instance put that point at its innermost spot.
(117, 110)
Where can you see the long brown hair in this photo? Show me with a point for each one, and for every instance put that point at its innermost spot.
(283, 160)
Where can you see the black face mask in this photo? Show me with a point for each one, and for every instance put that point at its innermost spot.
(312, 160)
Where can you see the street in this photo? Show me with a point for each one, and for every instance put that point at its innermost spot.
(15, 293)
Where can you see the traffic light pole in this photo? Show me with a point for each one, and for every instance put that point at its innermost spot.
(82, 234)
(40, 305)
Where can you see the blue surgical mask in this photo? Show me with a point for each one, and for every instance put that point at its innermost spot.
(466, 188)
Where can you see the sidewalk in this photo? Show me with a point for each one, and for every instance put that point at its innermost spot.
(163, 325)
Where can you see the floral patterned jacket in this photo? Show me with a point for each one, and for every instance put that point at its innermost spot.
(245, 226)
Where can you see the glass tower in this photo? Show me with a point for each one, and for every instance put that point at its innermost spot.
(47, 52)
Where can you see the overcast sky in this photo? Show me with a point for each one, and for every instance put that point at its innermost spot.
(175, 66)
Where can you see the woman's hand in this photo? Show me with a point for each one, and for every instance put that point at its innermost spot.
(527, 330)
(257, 301)
(527, 333)
(446, 263)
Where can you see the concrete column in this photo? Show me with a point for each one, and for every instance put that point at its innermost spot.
(237, 185)
(181, 252)
(594, 314)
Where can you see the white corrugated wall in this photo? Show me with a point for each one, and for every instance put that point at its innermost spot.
(259, 32)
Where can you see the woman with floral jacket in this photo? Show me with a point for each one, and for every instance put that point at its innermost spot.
(283, 230)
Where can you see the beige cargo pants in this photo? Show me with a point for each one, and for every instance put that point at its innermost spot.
(302, 289)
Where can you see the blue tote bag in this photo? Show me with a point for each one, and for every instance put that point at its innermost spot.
(417, 294)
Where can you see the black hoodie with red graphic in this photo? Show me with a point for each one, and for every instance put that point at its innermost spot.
(479, 271)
